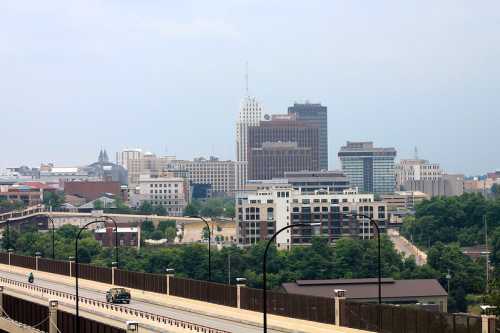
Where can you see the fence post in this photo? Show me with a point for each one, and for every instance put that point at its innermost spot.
(339, 295)
(132, 326)
(71, 261)
(1, 301)
(113, 269)
(37, 256)
(486, 323)
(238, 294)
(10, 253)
(53, 316)
(170, 273)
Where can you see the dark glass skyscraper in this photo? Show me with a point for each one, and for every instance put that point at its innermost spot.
(317, 114)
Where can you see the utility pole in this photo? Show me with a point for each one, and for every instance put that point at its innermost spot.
(229, 268)
(487, 253)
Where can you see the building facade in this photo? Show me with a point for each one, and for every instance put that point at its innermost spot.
(250, 115)
(165, 190)
(318, 115)
(447, 185)
(264, 212)
(220, 175)
(368, 168)
(416, 169)
(403, 199)
(282, 144)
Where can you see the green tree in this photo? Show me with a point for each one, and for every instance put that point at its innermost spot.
(53, 199)
(164, 225)
(157, 235)
(170, 234)
(98, 205)
(146, 208)
(159, 210)
(147, 228)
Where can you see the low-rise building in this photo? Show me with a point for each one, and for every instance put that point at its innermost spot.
(127, 236)
(403, 199)
(447, 185)
(422, 291)
(332, 215)
(91, 190)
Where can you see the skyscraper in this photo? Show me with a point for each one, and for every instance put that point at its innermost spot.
(368, 168)
(282, 144)
(250, 115)
(317, 114)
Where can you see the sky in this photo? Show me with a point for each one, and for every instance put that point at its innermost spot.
(168, 76)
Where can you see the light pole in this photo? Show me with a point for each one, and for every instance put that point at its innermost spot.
(264, 267)
(49, 218)
(209, 246)
(379, 259)
(77, 310)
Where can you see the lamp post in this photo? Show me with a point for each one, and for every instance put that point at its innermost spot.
(379, 259)
(49, 218)
(77, 310)
(264, 267)
(209, 246)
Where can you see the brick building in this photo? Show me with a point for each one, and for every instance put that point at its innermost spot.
(91, 190)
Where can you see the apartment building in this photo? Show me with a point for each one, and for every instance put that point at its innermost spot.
(403, 199)
(262, 213)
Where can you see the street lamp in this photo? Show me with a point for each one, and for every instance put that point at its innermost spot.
(264, 266)
(49, 218)
(209, 246)
(77, 321)
(379, 260)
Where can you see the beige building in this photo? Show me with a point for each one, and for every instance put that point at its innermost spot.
(416, 169)
(138, 163)
(403, 199)
(164, 190)
(221, 175)
(264, 212)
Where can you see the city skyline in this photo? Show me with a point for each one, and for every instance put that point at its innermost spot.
(86, 75)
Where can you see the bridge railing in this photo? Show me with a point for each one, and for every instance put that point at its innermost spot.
(21, 213)
(402, 319)
(320, 309)
(139, 315)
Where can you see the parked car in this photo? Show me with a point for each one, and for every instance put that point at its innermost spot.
(118, 295)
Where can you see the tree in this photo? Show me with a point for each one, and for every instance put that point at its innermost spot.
(170, 234)
(157, 235)
(146, 208)
(147, 228)
(53, 199)
(164, 225)
(159, 210)
(98, 204)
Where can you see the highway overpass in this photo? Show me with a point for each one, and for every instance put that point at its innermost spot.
(155, 312)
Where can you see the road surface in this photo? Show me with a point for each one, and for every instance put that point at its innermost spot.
(200, 319)
(405, 247)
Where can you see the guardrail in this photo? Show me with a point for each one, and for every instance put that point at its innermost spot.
(22, 213)
(139, 314)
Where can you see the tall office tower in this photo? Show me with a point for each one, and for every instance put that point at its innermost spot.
(317, 114)
(368, 168)
(250, 115)
(282, 144)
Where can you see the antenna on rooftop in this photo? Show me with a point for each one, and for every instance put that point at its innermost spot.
(246, 77)
(416, 153)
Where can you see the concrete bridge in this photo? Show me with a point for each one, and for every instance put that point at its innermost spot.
(153, 311)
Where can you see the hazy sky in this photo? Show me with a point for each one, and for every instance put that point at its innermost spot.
(168, 76)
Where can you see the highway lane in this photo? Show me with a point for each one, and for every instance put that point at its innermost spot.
(200, 319)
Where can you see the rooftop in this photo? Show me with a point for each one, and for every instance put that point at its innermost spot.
(367, 288)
